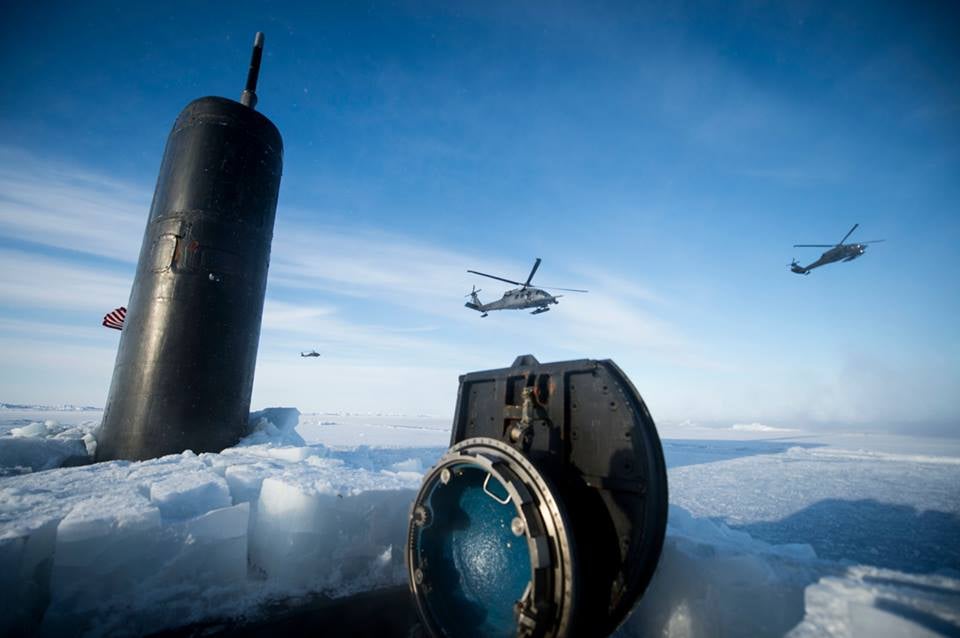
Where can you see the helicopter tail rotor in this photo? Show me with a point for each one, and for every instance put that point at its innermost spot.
(475, 303)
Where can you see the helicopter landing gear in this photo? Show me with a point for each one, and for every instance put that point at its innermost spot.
(539, 310)
(483, 315)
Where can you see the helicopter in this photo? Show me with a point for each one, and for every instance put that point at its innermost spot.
(838, 252)
(312, 353)
(526, 296)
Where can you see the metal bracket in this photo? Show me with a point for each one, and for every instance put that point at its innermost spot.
(487, 491)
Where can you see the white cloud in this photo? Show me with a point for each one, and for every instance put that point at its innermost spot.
(386, 310)
(289, 327)
(415, 286)
(365, 263)
(31, 281)
(58, 205)
(758, 427)
(90, 213)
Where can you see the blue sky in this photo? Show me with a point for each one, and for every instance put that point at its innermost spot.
(664, 156)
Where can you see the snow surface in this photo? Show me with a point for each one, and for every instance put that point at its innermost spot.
(845, 535)
(32, 445)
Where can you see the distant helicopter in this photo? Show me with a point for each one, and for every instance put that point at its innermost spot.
(838, 252)
(526, 296)
(312, 353)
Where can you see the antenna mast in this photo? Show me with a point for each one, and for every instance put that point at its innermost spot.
(249, 95)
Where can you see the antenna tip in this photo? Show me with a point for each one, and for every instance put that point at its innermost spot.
(249, 95)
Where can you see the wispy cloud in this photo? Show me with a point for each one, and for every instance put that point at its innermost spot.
(58, 205)
(32, 281)
(618, 314)
(355, 261)
(289, 327)
(367, 297)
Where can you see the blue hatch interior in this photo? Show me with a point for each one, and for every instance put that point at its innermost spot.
(474, 566)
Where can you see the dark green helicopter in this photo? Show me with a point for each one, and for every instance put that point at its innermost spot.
(838, 252)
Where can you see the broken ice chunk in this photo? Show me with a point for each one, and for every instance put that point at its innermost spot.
(187, 494)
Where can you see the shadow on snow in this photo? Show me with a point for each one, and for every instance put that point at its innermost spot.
(868, 532)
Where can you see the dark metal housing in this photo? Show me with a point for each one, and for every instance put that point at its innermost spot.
(589, 458)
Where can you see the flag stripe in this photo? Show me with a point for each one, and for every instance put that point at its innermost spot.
(114, 319)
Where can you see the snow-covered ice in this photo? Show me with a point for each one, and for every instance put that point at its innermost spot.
(811, 535)
(124, 548)
(773, 537)
(34, 444)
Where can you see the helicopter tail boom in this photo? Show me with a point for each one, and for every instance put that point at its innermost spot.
(478, 307)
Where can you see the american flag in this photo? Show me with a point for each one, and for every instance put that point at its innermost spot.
(114, 318)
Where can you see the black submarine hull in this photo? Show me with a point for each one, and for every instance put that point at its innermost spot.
(184, 371)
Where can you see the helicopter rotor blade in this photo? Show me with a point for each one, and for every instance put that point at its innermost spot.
(814, 245)
(483, 274)
(566, 289)
(536, 265)
(848, 234)
(872, 241)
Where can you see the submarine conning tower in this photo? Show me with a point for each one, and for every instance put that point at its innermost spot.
(185, 365)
